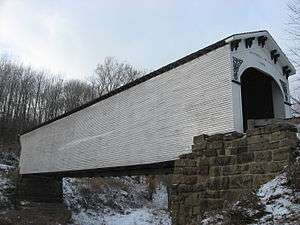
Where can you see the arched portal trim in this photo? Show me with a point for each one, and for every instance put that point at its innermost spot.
(262, 97)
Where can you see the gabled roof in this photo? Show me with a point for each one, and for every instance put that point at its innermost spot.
(171, 66)
(271, 43)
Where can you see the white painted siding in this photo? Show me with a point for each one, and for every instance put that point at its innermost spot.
(154, 121)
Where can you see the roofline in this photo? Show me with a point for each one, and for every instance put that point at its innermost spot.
(266, 33)
(140, 80)
(151, 75)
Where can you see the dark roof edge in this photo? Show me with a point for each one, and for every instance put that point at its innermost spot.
(142, 79)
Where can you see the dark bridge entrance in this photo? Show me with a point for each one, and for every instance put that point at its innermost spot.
(258, 90)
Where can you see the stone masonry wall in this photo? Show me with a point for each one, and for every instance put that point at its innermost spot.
(223, 166)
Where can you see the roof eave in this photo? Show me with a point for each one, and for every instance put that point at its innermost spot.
(284, 58)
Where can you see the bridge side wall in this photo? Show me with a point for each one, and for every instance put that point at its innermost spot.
(148, 123)
(223, 166)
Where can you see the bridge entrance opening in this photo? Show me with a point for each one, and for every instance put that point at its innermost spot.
(261, 96)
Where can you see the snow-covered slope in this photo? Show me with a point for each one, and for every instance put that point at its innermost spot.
(8, 163)
(280, 202)
(275, 203)
(115, 201)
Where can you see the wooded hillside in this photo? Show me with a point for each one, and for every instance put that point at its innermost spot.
(29, 97)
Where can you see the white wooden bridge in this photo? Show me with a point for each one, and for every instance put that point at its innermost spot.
(148, 123)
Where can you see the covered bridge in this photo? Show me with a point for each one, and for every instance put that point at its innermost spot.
(148, 123)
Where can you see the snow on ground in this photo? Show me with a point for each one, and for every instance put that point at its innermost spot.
(279, 200)
(130, 198)
(274, 203)
(6, 186)
(142, 216)
(5, 168)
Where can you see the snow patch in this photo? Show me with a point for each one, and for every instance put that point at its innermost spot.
(279, 199)
(5, 168)
(114, 205)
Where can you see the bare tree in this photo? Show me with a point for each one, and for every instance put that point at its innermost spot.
(112, 74)
(76, 93)
(293, 29)
(29, 97)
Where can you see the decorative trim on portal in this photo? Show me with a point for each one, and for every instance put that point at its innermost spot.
(236, 82)
(249, 42)
(285, 89)
(287, 103)
(235, 44)
(274, 55)
(261, 40)
(236, 66)
(286, 71)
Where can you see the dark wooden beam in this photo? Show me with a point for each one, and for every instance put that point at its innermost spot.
(235, 44)
(261, 40)
(286, 71)
(236, 82)
(274, 55)
(145, 169)
(249, 42)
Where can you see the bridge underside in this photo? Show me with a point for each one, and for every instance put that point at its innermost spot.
(144, 169)
(47, 187)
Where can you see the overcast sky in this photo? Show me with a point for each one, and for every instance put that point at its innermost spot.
(71, 36)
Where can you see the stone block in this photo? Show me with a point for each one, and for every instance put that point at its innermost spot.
(221, 151)
(199, 149)
(232, 136)
(218, 183)
(257, 139)
(214, 204)
(277, 136)
(230, 150)
(197, 210)
(211, 152)
(235, 169)
(263, 156)
(283, 127)
(185, 162)
(255, 131)
(260, 179)
(203, 170)
(200, 139)
(200, 186)
(214, 171)
(277, 166)
(189, 180)
(297, 184)
(225, 160)
(258, 147)
(259, 168)
(178, 170)
(215, 137)
(235, 143)
(215, 145)
(202, 162)
(241, 181)
(190, 171)
(192, 199)
(281, 154)
(212, 194)
(245, 157)
(232, 195)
